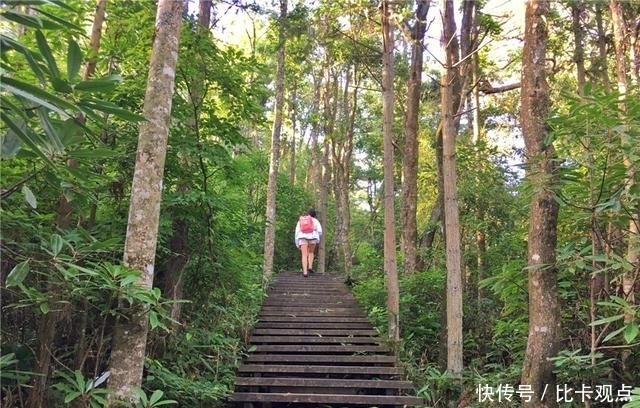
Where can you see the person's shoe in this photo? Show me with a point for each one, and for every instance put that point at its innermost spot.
(310, 270)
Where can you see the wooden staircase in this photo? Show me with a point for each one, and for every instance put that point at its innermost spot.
(314, 347)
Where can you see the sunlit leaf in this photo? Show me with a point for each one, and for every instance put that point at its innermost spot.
(29, 196)
(18, 274)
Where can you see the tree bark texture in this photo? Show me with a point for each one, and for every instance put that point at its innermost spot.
(451, 217)
(410, 157)
(390, 263)
(270, 227)
(130, 336)
(544, 316)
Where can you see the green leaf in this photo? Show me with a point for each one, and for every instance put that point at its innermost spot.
(9, 145)
(99, 85)
(24, 134)
(631, 331)
(56, 244)
(45, 50)
(18, 274)
(44, 308)
(155, 397)
(24, 19)
(29, 196)
(74, 60)
(71, 396)
(93, 153)
(605, 320)
(108, 107)
(37, 95)
(154, 322)
(50, 131)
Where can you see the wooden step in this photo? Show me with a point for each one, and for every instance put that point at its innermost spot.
(367, 400)
(320, 358)
(313, 346)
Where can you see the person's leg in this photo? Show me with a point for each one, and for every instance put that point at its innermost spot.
(304, 250)
(311, 250)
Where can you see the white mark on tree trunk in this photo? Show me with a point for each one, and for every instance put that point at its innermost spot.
(149, 269)
(541, 329)
(535, 257)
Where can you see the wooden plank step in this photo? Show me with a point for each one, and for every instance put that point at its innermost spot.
(314, 348)
(313, 340)
(310, 313)
(321, 383)
(369, 400)
(319, 319)
(313, 325)
(320, 358)
(318, 369)
(314, 332)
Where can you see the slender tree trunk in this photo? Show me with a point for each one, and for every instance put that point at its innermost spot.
(544, 311)
(629, 278)
(342, 148)
(130, 335)
(577, 9)
(390, 263)
(411, 148)
(329, 101)
(451, 218)
(270, 228)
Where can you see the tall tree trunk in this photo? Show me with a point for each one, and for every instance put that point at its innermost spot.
(410, 157)
(342, 148)
(329, 101)
(130, 335)
(451, 218)
(270, 228)
(390, 263)
(629, 278)
(544, 311)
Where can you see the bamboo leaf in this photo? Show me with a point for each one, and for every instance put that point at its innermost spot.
(37, 95)
(108, 107)
(9, 145)
(24, 19)
(18, 274)
(45, 50)
(74, 60)
(23, 133)
(29, 196)
(50, 131)
(98, 85)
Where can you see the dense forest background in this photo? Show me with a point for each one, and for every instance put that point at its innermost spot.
(275, 108)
